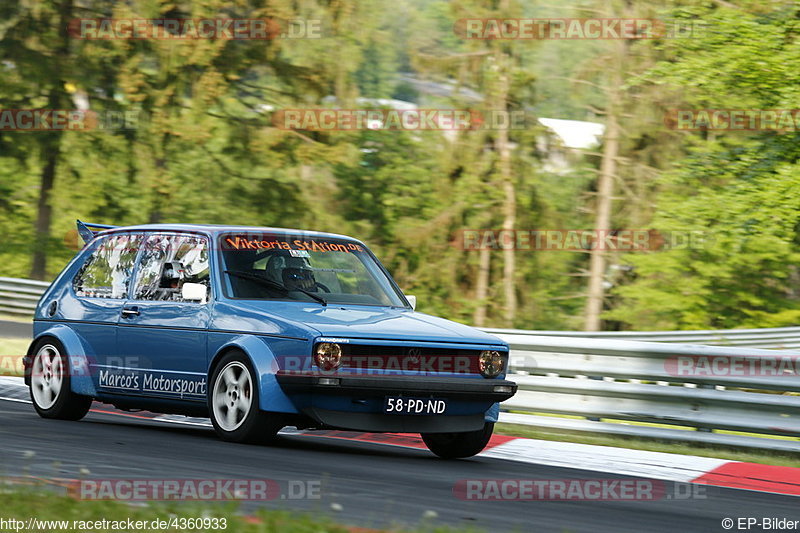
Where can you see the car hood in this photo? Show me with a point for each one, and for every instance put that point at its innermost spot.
(362, 322)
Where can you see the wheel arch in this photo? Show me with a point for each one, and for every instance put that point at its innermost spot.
(78, 353)
(265, 365)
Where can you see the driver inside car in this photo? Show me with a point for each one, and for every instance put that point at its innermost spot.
(291, 272)
(298, 274)
(172, 277)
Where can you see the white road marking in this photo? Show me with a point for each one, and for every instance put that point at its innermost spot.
(15, 400)
(640, 463)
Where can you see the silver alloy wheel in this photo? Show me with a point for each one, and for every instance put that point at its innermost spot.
(232, 396)
(47, 376)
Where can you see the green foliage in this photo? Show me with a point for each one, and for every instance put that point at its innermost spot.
(739, 190)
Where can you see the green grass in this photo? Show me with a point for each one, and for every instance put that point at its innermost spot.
(11, 352)
(703, 450)
(35, 502)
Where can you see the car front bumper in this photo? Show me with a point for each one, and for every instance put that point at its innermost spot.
(356, 402)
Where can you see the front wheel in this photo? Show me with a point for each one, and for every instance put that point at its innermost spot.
(50, 384)
(234, 405)
(458, 445)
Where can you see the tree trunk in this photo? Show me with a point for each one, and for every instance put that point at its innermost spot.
(50, 149)
(597, 263)
(509, 266)
(44, 211)
(510, 198)
(605, 191)
(509, 205)
(482, 287)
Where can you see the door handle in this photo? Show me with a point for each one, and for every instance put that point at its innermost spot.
(130, 311)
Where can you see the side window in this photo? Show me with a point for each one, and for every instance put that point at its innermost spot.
(107, 272)
(168, 262)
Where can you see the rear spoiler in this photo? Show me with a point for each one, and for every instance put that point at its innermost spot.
(87, 230)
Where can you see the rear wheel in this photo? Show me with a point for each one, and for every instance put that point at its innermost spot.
(233, 402)
(50, 384)
(458, 445)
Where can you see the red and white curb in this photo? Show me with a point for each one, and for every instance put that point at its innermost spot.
(621, 461)
(654, 465)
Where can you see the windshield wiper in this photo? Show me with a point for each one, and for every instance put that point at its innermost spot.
(274, 284)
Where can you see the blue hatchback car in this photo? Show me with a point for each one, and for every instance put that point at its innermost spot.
(258, 328)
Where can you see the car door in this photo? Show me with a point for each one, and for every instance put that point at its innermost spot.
(161, 334)
(99, 290)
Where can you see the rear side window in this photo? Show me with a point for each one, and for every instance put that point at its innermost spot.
(167, 263)
(107, 272)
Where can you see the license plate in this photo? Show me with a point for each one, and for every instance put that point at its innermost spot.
(414, 406)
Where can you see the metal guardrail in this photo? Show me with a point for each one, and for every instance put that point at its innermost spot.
(19, 296)
(615, 383)
(580, 384)
(787, 338)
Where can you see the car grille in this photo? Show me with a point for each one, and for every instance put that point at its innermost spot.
(410, 358)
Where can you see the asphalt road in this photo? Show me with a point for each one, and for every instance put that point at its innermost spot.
(374, 485)
(9, 328)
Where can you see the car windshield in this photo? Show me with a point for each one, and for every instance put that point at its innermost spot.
(306, 268)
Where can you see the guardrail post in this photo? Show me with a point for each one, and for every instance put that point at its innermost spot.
(595, 418)
(705, 386)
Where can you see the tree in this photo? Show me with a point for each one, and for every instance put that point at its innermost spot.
(735, 192)
(37, 43)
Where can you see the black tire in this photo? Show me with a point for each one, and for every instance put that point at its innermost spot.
(255, 426)
(458, 445)
(66, 405)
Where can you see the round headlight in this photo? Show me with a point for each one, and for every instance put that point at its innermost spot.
(491, 364)
(328, 355)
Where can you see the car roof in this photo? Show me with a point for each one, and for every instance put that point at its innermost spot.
(216, 229)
